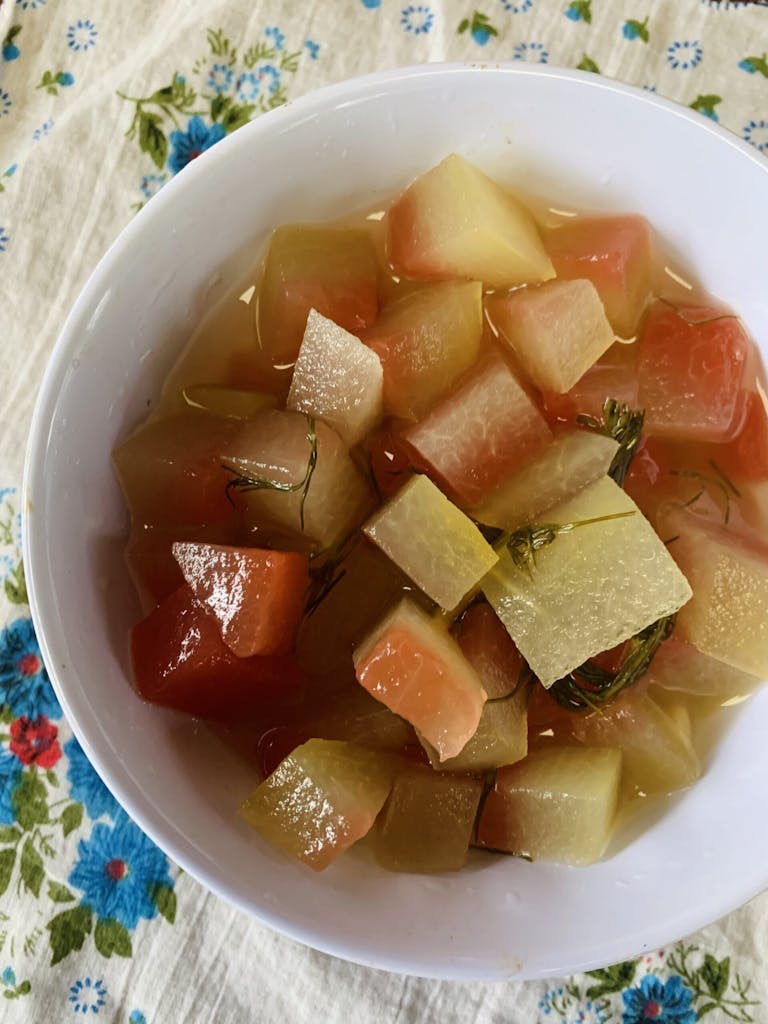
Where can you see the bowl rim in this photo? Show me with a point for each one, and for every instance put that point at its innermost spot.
(34, 543)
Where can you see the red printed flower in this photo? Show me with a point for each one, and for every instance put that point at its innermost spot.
(35, 741)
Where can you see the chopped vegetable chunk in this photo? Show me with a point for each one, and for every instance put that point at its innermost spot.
(614, 375)
(614, 253)
(749, 450)
(727, 617)
(481, 433)
(433, 541)
(589, 589)
(427, 822)
(257, 596)
(275, 450)
(680, 667)
(180, 660)
(454, 221)
(557, 330)
(558, 804)
(691, 366)
(410, 663)
(310, 266)
(570, 462)
(425, 341)
(236, 403)
(321, 799)
(337, 379)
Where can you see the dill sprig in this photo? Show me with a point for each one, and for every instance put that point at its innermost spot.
(328, 574)
(624, 425)
(243, 482)
(698, 323)
(724, 485)
(589, 686)
(525, 542)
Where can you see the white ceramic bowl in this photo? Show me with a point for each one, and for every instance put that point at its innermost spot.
(573, 136)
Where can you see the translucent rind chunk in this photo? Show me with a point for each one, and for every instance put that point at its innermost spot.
(275, 446)
(557, 330)
(501, 738)
(571, 462)
(556, 805)
(432, 541)
(321, 799)
(454, 221)
(412, 665)
(657, 753)
(481, 433)
(337, 379)
(590, 589)
(426, 340)
(681, 667)
(427, 823)
(235, 403)
(727, 617)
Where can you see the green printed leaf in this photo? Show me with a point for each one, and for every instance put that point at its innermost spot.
(9, 834)
(52, 777)
(756, 65)
(13, 31)
(112, 937)
(587, 64)
(68, 931)
(31, 867)
(71, 818)
(463, 26)
(236, 117)
(152, 138)
(7, 860)
(164, 898)
(59, 893)
(612, 979)
(706, 103)
(30, 801)
(715, 974)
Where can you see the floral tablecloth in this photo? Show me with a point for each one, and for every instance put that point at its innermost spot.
(100, 105)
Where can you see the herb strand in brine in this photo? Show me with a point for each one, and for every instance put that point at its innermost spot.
(624, 425)
(724, 485)
(589, 686)
(244, 482)
(328, 574)
(524, 542)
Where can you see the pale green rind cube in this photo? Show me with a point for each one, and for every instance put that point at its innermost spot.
(557, 805)
(682, 668)
(427, 822)
(571, 462)
(590, 589)
(432, 541)
(501, 738)
(337, 379)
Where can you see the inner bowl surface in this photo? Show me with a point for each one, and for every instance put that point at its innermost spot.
(574, 137)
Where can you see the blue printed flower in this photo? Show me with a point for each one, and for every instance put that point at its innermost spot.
(270, 76)
(43, 130)
(220, 78)
(417, 18)
(65, 78)
(151, 184)
(4, 239)
(10, 773)
(312, 48)
(684, 55)
(117, 869)
(371, 4)
(247, 87)
(86, 786)
(579, 10)
(137, 1017)
(756, 132)
(82, 35)
(532, 53)
(633, 29)
(276, 36)
(659, 1003)
(5, 102)
(9, 976)
(517, 6)
(9, 174)
(10, 50)
(186, 146)
(87, 995)
(24, 683)
(29, 5)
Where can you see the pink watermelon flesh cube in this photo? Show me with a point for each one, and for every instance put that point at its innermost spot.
(321, 799)
(614, 375)
(747, 454)
(727, 617)
(557, 330)
(332, 270)
(614, 253)
(691, 365)
(257, 596)
(170, 471)
(480, 433)
(410, 663)
(337, 379)
(426, 340)
(454, 221)
(275, 446)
